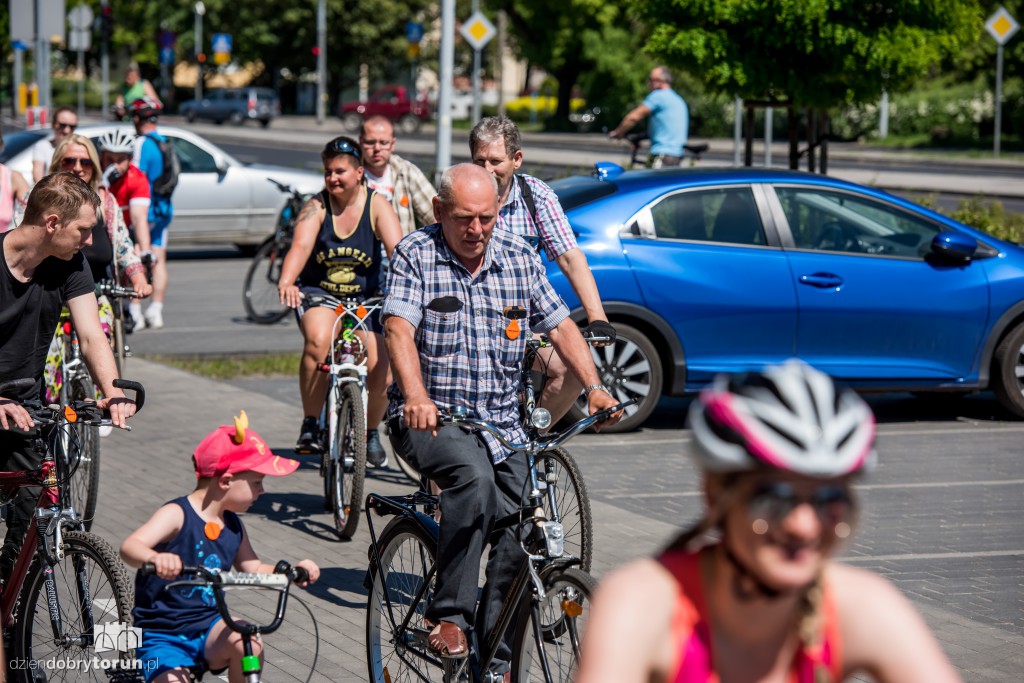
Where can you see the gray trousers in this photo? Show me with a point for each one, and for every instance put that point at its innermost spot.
(474, 494)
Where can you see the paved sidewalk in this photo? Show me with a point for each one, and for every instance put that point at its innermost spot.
(150, 465)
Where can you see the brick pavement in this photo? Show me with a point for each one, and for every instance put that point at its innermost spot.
(965, 601)
(142, 469)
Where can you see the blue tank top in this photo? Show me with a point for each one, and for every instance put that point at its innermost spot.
(186, 609)
(345, 266)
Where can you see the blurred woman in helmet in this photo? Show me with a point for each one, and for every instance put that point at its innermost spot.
(750, 593)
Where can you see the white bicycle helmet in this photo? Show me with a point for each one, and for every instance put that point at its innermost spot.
(116, 141)
(788, 416)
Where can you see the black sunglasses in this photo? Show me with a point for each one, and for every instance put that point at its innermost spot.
(342, 146)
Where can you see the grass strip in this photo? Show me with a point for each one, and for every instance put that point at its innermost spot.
(236, 367)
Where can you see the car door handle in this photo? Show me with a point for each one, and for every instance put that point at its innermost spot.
(822, 280)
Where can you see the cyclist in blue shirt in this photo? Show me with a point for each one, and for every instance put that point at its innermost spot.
(150, 160)
(669, 126)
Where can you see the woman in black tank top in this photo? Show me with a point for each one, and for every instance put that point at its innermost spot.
(336, 251)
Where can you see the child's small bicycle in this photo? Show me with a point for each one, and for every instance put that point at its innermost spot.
(219, 582)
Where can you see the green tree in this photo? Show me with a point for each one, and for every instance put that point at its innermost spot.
(815, 54)
(280, 34)
(572, 38)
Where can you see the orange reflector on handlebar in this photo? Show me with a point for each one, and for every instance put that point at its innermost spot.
(70, 414)
(362, 312)
(339, 309)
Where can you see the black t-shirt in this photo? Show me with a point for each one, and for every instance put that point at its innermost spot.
(29, 312)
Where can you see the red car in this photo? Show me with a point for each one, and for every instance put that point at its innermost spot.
(391, 101)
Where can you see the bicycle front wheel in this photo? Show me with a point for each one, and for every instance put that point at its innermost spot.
(548, 634)
(92, 598)
(395, 653)
(82, 456)
(348, 471)
(564, 490)
(259, 294)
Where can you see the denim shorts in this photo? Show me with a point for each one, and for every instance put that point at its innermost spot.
(163, 651)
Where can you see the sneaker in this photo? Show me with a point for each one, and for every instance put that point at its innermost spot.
(138, 323)
(154, 319)
(307, 442)
(375, 453)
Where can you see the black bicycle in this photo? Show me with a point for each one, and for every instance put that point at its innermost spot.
(638, 160)
(559, 478)
(259, 293)
(547, 604)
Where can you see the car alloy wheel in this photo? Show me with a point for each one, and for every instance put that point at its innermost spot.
(631, 368)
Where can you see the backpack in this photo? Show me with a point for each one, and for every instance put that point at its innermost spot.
(164, 185)
(531, 206)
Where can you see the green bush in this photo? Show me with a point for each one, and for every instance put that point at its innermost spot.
(992, 218)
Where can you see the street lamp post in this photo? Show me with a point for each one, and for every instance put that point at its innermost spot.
(200, 11)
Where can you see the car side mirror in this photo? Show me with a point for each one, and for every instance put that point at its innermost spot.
(222, 165)
(955, 246)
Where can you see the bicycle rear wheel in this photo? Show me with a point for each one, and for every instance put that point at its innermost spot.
(93, 598)
(259, 293)
(548, 635)
(560, 478)
(348, 462)
(395, 654)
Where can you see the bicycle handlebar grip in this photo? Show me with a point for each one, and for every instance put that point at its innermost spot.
(147, 569)
(140, 391)
(299, 575)
(16, 385)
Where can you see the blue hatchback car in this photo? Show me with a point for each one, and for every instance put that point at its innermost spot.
(711, 270)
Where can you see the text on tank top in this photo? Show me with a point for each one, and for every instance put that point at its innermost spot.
(345, 266)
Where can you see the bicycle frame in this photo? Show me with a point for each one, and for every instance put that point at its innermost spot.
(530, 577)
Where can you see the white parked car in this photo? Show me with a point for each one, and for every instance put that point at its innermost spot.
(218, 199)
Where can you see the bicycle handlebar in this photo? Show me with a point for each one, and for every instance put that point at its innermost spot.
(86, 409)
(328, 301)
(458, 416)
(282, 578)
(110, 289)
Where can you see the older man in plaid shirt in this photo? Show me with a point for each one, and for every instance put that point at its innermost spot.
(530, 208)
(460, 296)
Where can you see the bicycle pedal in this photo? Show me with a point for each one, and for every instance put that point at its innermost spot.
(312, 449)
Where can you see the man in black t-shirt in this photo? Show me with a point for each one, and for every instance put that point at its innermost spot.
(42, 270)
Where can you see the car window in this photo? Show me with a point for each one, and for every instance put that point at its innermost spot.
(827, 220)
(193, 159)
(726, 215)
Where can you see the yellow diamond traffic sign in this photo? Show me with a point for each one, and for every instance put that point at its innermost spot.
(1001, 26)
(477, 30)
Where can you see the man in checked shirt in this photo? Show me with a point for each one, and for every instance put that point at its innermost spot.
(530, 208)
(461, 296)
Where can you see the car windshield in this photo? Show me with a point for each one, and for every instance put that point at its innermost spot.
(16, 143)
(579, 190)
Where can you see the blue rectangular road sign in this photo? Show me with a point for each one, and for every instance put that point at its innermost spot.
(221, 42)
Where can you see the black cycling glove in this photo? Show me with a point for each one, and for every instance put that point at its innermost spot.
(600, 328)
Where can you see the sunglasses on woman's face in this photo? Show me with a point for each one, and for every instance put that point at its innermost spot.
(70, 162)
(774, 501)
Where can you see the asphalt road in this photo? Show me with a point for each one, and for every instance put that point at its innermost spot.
(262, 148)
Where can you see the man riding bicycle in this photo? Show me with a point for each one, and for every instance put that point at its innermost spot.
(530, 208)
(44, 270)
(461, 298)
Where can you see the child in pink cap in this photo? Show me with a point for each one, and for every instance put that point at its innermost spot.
(180, 625)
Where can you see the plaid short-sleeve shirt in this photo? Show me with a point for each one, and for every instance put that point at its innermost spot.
(468, 355)
(553, 227)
